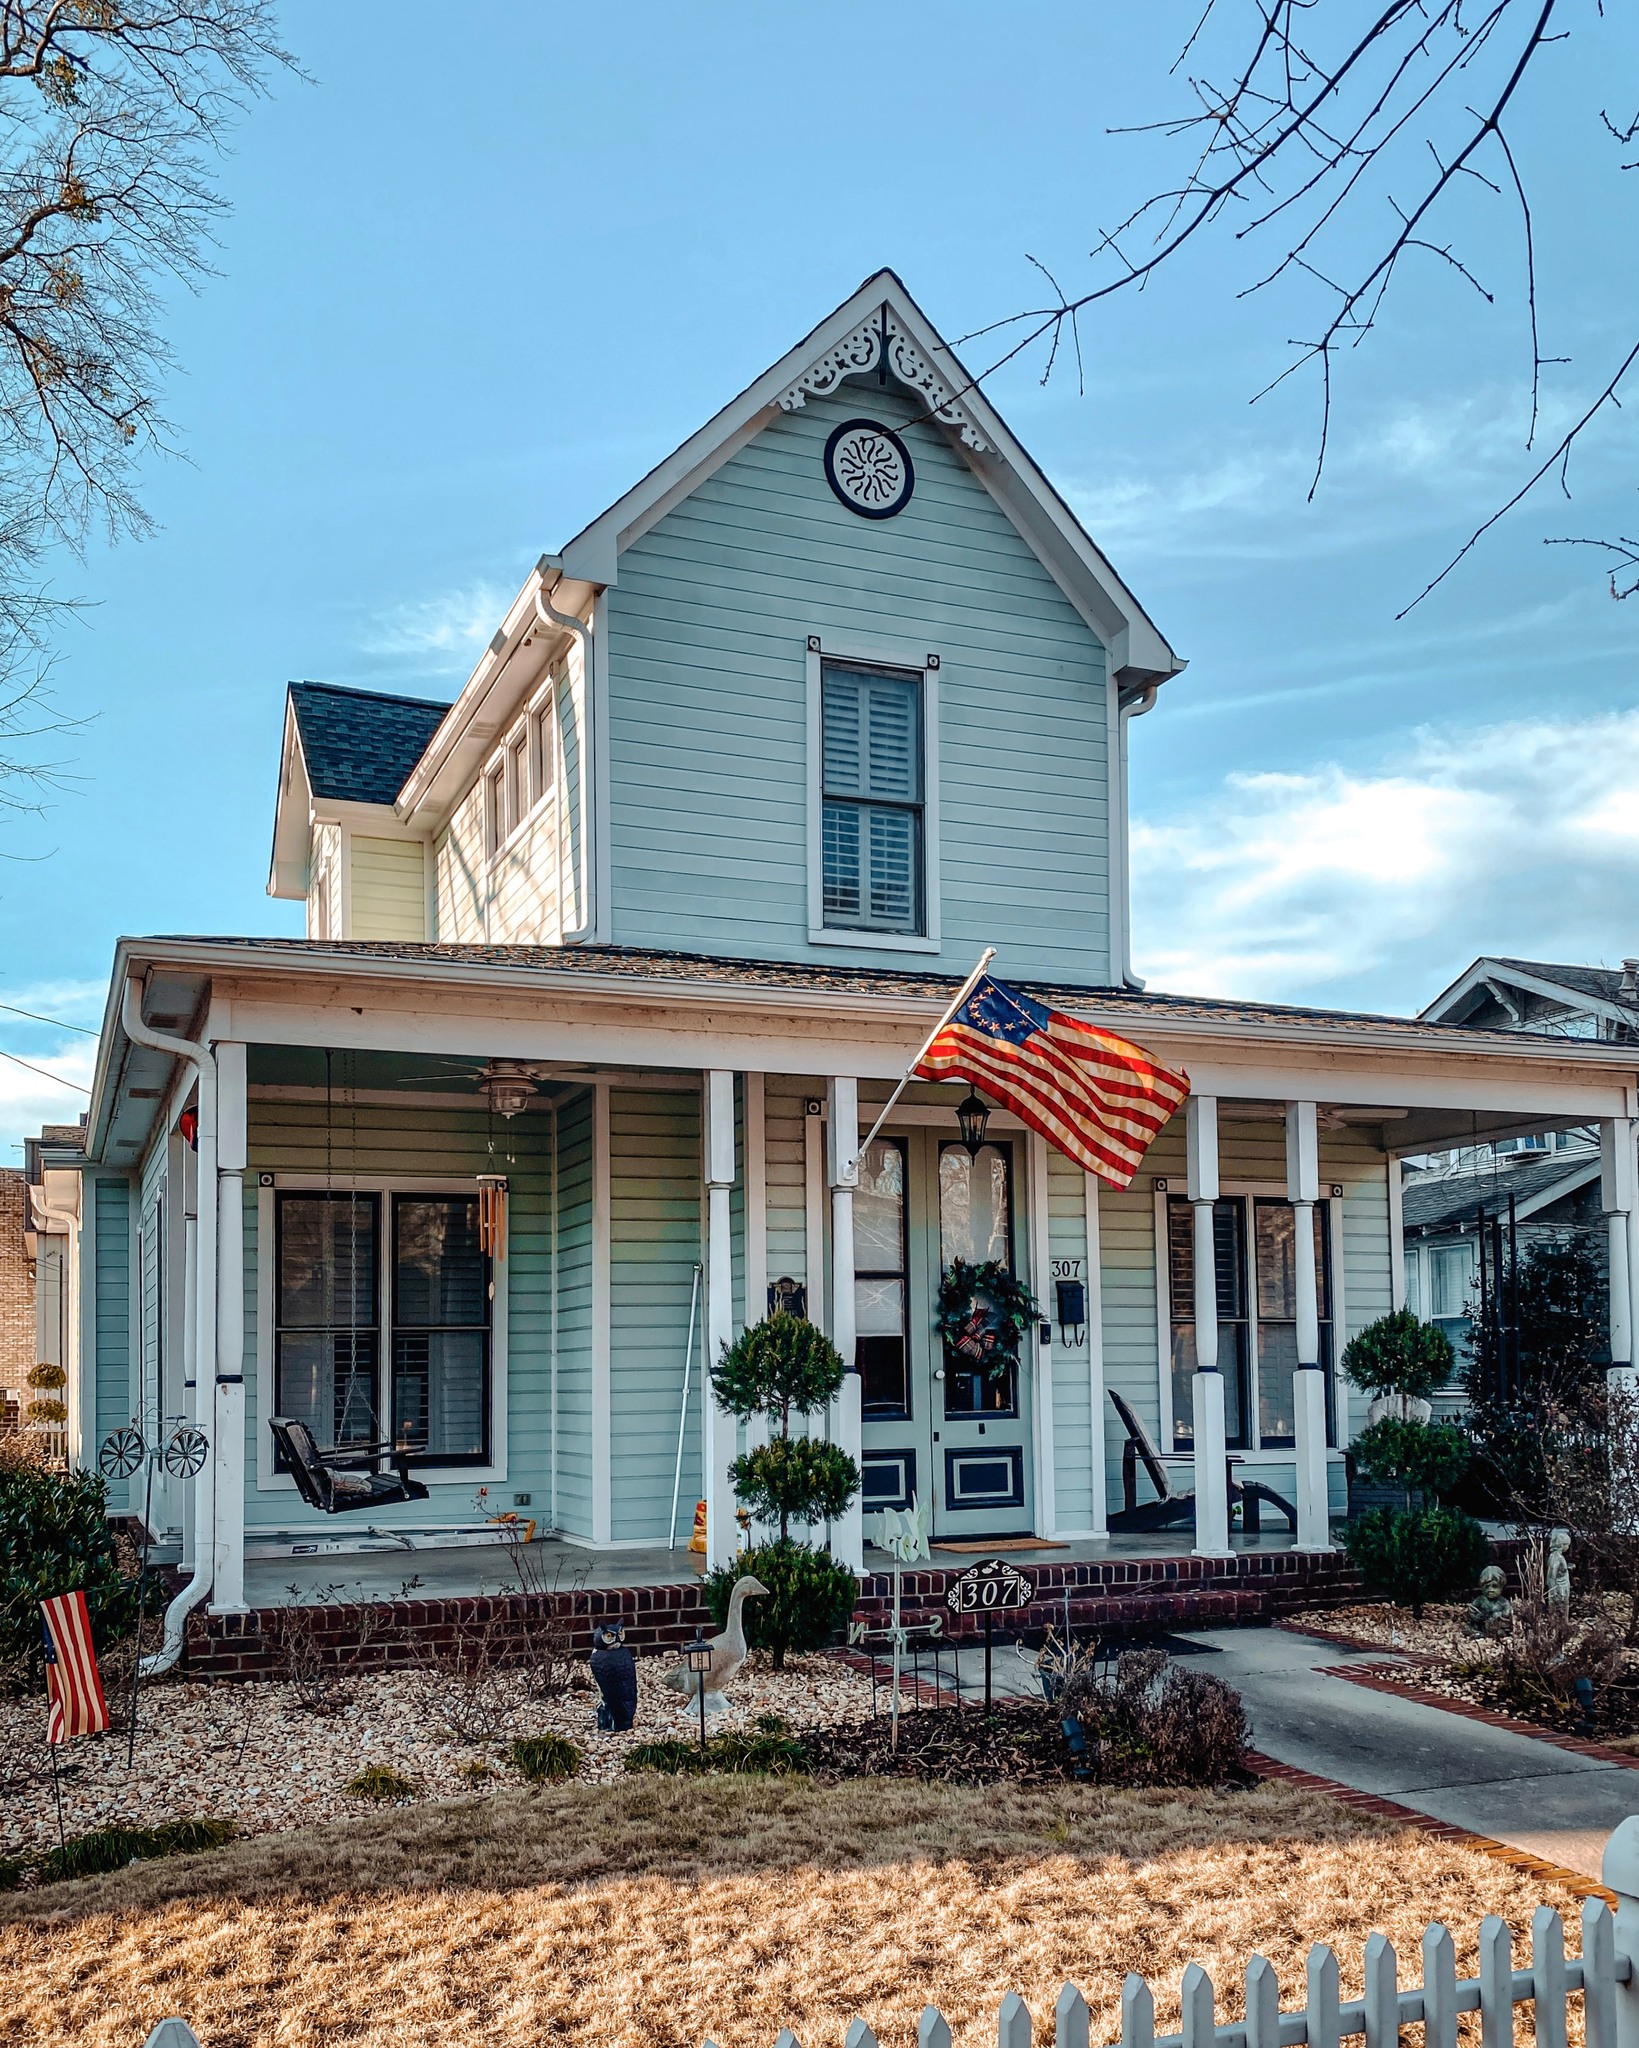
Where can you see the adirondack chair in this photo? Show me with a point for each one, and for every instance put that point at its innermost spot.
(335, 1482)
(1171, 1508)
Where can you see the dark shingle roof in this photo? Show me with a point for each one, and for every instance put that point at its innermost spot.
(1602, 983)
(1453, 1197)
(360, 745)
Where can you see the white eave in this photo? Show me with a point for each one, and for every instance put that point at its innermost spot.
(292, 814)
(1497, 976)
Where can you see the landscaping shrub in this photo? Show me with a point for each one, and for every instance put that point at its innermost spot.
(1416, 1554)
(810, 1596)
(381, 1783)
(795, 1479)
(54, 1538)
(541, 1758)
(768, 1750)
(112, 1848)
(1426, 1458)
(1400, 1356)
(1150, 1721)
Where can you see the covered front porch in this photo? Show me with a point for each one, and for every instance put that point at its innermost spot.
(672, 1146)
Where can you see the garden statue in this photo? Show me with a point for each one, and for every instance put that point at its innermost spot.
(1557, 1590)
(1492, 1613)
(728, 1652)
(614, 1672)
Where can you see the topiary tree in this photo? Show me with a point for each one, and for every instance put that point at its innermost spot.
(1428, 1459)
(777, 1368)
(1399, 1357)
(1416, 1554)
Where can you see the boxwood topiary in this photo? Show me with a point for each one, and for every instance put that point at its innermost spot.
(810, 1596)
(1416, 1554)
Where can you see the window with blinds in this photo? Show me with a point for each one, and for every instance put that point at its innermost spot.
(872, 796)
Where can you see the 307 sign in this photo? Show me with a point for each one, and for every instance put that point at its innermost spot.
(993, 1587)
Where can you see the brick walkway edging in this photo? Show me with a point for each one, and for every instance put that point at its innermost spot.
(1379, 1678)
(1268, 1768)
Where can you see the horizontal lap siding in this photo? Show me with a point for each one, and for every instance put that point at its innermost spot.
(654, 1190)
(437, 1144)
(708, 631)
(389, 888)
(574, 1253)
(785, 1143)
(111, 1219)
(458, 861)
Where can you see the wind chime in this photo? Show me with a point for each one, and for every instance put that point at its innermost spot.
(507, 1090)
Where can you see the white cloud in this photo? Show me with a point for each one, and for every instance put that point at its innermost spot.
(456, 624)
(1377, 886)
(27, 1099)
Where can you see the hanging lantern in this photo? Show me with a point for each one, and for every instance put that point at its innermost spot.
(508, 1088)
(492, 1191)
(972, 1116)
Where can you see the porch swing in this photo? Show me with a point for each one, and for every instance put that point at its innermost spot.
(351, 1476)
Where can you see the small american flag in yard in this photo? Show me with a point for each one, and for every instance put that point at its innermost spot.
(1094, 1096)
(73, 1685)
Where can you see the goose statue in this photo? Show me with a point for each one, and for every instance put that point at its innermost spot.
(728, 1651)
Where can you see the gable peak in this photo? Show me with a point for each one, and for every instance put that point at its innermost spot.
(883, 341)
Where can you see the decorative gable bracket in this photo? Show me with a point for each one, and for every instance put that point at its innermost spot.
(879, 342)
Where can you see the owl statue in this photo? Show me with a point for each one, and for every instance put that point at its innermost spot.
(614, 1672)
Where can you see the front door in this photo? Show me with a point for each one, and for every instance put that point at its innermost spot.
(935, 1426)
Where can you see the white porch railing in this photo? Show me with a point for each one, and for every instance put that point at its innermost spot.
(1605, 1976)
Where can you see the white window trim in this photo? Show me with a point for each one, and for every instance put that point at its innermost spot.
(1266, 1190)
(541, 770)
(383, 1184)
(928, 664)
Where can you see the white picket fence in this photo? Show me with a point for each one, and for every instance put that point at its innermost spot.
(1605, 1976)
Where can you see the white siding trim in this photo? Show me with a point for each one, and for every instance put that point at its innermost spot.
(756, 1186)
(1046, 1517)
(595, 733)
(1163, 1321)
(341, 914)
(1397, 1231)
(813, 1204)
(267, 1479)
(602, 1448)
(928, 663)
(1095, 1358)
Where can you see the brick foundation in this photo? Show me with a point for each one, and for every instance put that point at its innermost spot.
(1115, 1598)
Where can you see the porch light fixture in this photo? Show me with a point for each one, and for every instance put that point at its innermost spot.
(697, 1658)
(972, 1116)
(508, 1089)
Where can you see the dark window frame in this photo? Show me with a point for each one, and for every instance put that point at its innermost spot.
(1012, 1410)
(885, 1411)
(369, 1198)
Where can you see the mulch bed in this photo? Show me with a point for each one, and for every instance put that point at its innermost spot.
(1018, 1742)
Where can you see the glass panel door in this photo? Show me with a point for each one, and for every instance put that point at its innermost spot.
(882, 1349)
(440, 1330)
(976, 1224)
(327, 1337)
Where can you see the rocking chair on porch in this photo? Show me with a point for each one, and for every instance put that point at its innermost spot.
(1170, 1509)
(336, 1481)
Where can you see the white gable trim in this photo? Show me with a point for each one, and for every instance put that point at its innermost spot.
(882, 307)
(1490, 973)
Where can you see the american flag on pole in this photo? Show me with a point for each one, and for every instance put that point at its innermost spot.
(76, 1705)
(1093, 1095)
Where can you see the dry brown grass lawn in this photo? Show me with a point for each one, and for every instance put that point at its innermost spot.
(663, 1912)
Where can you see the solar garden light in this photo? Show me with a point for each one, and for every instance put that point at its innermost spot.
(697, 1658)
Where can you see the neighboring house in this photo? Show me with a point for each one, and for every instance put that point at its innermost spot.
(1537, 995)
(1550, 1193)
(612, 962)
(16, 1296)
(53, 1163)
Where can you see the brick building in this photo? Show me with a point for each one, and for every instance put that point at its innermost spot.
(16, 1287)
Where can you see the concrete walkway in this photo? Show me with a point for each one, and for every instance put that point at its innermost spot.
(1548, 1801)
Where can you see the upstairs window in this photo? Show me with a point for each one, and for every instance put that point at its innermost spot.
(872, 795)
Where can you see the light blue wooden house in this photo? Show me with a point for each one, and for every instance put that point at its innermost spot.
(610, 963)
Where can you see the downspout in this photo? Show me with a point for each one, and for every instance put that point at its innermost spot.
(1130, 704)
(198, 1057)
(549, 615)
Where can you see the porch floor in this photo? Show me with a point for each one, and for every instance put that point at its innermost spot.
(374, 1576)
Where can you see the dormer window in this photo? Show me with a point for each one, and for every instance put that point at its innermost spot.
(872, 798)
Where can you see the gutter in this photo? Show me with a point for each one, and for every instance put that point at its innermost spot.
(549, 615)
(197, 1055)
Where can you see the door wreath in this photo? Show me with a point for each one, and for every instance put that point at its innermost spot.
(983, 1312)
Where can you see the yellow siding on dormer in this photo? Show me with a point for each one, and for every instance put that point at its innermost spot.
(389, 888)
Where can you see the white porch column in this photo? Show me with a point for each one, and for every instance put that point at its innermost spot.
(1095, 1356)
(203, 1310)
(1207, 1389)
(1619, 1195)
(228, 1437)
(718, 1434)
(848, 1534)
(1308, 1381)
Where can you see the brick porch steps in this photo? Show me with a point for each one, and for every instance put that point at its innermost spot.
(1113, 1598)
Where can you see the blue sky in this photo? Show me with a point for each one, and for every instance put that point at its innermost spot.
(472, 287)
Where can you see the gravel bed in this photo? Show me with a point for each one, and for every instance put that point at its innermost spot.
(252, 1754)
(1440, 1633)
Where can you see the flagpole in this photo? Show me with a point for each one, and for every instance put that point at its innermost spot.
(954, 1005)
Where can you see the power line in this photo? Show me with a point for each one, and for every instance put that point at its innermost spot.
(61, 1023)
(45, 1073)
